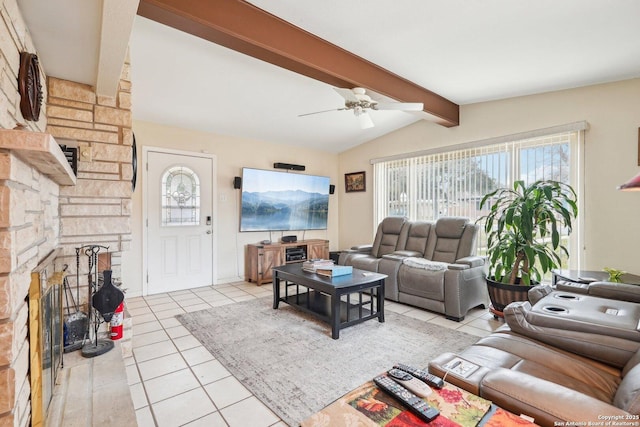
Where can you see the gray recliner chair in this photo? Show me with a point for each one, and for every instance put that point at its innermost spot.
(415, 246)
(449, 278)
(391, 236)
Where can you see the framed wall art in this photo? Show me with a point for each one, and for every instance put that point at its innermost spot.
(355, 181)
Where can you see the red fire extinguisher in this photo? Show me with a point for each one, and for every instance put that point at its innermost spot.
(116, 322)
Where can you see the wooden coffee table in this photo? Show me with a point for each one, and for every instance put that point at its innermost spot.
(341, 301)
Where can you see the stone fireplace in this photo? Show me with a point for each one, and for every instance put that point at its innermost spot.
(41, 201)
(36, 182)
(43, 204)
(32, 170)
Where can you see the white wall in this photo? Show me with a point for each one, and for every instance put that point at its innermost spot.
(612, 229)
(232, 155)
(611, 153)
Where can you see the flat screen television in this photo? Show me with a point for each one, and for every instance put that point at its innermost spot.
(277, 201)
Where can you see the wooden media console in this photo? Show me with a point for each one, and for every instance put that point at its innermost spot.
(260, 258)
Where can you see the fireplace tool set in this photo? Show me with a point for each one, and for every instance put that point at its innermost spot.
(81, 330)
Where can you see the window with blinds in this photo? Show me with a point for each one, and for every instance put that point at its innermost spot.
(452, 183)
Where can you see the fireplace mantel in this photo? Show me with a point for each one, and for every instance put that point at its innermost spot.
(41, 151)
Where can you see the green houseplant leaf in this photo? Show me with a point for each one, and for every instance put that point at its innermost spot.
(523, 229)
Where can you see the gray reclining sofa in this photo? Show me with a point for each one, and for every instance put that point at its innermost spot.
(431, 265)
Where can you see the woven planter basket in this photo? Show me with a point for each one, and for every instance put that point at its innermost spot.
(503, 294)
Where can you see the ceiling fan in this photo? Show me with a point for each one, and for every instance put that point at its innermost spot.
(359, 102)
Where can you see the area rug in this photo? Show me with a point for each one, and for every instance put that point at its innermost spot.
(289, 361)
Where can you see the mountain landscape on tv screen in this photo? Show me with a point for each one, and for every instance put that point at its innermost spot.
(284, 210)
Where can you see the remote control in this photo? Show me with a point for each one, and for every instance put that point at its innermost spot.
(416, 405)
(411, 383)
(432, 380)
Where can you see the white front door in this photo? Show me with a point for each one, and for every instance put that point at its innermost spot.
(180, 223)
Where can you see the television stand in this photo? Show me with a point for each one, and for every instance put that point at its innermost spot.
(260, 258)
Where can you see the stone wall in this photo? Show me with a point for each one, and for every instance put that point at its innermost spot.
(29, 225)
(97, 209)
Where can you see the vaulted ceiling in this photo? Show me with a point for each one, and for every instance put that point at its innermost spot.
(444, 52)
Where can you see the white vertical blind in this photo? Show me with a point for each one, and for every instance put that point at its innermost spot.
(426, 187)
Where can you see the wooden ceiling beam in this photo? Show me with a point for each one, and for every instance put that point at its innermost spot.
(245, 28)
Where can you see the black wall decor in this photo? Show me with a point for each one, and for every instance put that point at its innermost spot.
(134, 164)
(237, 182)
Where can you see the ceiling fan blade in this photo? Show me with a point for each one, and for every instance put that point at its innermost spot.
(346, 94)
(365, 121)
(403, 106)
(323, 111)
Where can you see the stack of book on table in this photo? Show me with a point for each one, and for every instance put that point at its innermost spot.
(334, 270)
(313, 264)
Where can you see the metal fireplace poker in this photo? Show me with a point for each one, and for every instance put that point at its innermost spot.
(75, 321)
(103, 300)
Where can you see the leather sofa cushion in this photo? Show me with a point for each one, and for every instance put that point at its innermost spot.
(390, 236)
(614, 346)
(587, 314)
(628, 395)
(611, 290)
(418, 236)
(388, 244)
(521, 354)
(621, 291)
(451, 238)
(422, 283)
(451, 227)
(446, 250)
(368, 263)
(549, 404)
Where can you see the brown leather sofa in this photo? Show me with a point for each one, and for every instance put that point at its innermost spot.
(431, 265)
(578, 362)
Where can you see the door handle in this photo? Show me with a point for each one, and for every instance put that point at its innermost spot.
(209, 231)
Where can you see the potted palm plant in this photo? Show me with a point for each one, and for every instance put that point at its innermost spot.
(523, 236)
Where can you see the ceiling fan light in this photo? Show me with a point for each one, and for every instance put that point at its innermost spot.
(365, 120)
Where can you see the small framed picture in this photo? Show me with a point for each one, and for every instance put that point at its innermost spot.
(355, 182)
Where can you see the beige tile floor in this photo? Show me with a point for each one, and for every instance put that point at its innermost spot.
(175, 381)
